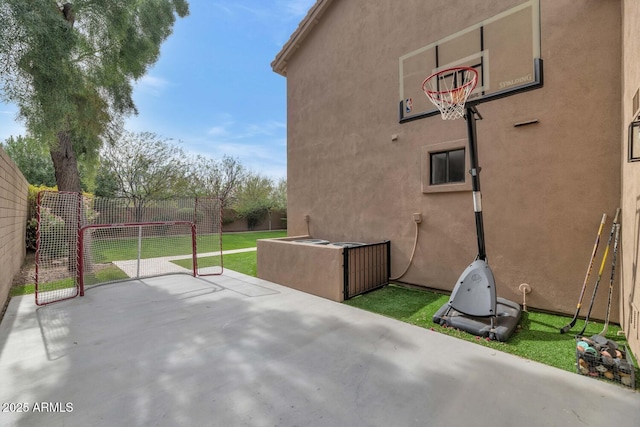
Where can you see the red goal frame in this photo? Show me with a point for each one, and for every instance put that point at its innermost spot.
(81, 244)
(67, 220)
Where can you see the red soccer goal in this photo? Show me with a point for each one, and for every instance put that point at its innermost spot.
(84, 241)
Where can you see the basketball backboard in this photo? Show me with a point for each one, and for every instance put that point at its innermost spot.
(504, 49)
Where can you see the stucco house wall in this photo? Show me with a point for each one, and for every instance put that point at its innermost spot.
(630, 283)
(545, 186)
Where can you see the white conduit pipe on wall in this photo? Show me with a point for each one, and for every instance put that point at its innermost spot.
(413, 252)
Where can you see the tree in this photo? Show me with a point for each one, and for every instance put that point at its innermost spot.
(215, 178)
(32, 158)
(258, 197)
(143, 166)
(279, 195)
(277, 198)
(253, 198)
(34, 161)
(106, 182)
(69, 68)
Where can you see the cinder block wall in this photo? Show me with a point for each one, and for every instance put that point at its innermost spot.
(13, 222)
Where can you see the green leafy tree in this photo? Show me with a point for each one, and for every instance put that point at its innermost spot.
(215, 178)
(141, 167)
(70, 68)
(34, 161)
(279, 194)
(32, 158)
(258, 197)
(106, 182)
(277, 199)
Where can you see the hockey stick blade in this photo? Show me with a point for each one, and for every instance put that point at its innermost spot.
(604, 261)
(571, 324)
(611, 279)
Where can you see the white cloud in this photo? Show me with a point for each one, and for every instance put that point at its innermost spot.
(224, 8)
(152, 85)
(275, 17)
(265, 157)
(270, 128)
(260, 13)
(269, 13)
(218, 131)
(260, 147)
(229, 129)
(297, 8)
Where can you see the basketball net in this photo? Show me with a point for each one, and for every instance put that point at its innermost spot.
(449, 90)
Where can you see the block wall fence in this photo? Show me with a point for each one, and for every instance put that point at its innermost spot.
(13, 222)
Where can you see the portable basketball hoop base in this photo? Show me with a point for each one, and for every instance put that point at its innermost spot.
(474, 306)
(498, 328)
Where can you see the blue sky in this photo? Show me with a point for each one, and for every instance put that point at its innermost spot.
(213, 91)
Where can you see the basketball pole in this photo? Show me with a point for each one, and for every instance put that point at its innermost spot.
(471, 115)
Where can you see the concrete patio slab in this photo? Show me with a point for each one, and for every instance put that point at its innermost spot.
(233, 350)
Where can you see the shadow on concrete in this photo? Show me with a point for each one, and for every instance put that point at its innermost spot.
(177, 350)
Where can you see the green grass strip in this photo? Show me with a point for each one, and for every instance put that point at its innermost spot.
(153, 247)
(244, 262)
(537, 337)
(28, 289)
(164, 246)
(108, 274)
(232, 241)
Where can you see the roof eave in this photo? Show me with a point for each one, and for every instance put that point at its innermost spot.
(279, 64)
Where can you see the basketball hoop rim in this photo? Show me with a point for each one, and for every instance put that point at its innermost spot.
(473, 82)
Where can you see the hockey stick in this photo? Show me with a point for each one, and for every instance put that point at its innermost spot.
(613, 272)
(604, 261)
(571, 324)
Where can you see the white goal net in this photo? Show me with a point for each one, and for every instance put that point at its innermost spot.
(84, 241)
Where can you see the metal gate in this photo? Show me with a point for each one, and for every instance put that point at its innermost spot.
(366, 267)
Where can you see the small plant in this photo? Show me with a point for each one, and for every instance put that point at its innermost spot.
(31, 236)
(90, 214)
(253, 211)
(229, 216)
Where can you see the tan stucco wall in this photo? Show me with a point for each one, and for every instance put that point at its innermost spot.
(630, 303)
(315, 269)
(13, 222)
(545, 186)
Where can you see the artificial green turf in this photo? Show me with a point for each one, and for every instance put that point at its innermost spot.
(46, 287)
(108, 274)
(16, 291)
(537, 337)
